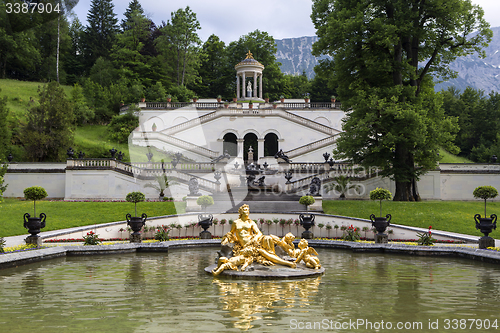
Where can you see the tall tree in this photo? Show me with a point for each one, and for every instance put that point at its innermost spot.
(100, 34)
(385, 54)
(134, 8)
(49, 129)
(214, 79)
(180, 41)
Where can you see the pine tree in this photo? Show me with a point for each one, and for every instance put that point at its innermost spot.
(100, 34)
(49, 131)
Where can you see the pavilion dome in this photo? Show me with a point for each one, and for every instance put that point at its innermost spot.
(249, 60)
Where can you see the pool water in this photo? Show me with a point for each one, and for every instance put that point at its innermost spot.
(152, 292)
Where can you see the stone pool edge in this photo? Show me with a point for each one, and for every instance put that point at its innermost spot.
(15, 259)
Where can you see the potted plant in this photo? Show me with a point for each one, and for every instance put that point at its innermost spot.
(250, 105)
(195, 98)
(34, 224)
(306, 97)
(275, 105)
(341, 186)
(169, 98)
(266, 97)
(136, 223)
(380, 223)
(226, 105)
(333, 99)
(485, 224)
(143, 99)
(161, 185)
(282, 99)
(306, 200)
(205, 221)
(219, 98)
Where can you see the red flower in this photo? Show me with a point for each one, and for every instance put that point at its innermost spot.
(430, 227)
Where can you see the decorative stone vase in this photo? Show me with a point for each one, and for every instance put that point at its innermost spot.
(136, 223)
(307, 222)
(34, 224)
(380, 224)
(205, 222)
(486, 226)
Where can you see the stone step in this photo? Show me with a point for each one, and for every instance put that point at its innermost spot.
(258, 206)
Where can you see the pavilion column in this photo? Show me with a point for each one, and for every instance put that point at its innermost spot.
(260, 86)
(237, 86)
(260, 148)
(254, 84)
(243, 83)
(240, 147)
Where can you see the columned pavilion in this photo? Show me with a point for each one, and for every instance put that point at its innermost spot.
(249, 68)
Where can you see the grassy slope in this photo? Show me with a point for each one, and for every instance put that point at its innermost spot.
(61, 215)
(454, 216)
(19, 92)
(447, 157)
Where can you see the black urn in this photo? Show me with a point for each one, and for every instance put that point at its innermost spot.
(486, 224)
(136, 223)
(205, 221)
(34, 224)
(380, 223)
(307, 222)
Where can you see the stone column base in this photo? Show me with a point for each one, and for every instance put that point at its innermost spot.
(486, 242)
(381, 238)
(205, 235)
(33, 240)
(307, 235)
(135, 238)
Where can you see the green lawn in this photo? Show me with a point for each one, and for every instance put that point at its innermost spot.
(454, 216)
(62, 215)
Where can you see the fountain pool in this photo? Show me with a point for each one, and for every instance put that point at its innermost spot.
(170, 292)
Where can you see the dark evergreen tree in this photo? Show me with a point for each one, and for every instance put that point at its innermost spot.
(134, 8)
(100, 34)
(49, 129)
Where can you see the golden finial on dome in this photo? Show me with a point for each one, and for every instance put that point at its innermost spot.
(249, 55)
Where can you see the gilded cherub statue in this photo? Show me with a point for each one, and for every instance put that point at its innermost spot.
(308, 255)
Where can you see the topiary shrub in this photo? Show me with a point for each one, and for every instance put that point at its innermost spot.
(204, 201)
(35, 193)
(380, 194)
(135, 197)
(485, 193)
(306, 200)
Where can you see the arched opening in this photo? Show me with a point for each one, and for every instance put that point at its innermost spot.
(230, 144)
(250, 141)
(270, 144)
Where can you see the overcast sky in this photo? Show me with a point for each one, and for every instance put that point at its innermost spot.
(230, 19)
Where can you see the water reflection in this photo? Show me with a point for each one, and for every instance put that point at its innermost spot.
(248, 301)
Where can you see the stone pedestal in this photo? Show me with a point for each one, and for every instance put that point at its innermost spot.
(307, 234)
(191, 205)
(381, 238)
(33, 240)
(317, 206)
(486, 242)
(135, 238)
(205, 235)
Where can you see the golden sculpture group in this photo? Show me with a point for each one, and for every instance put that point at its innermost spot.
(250, 245)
